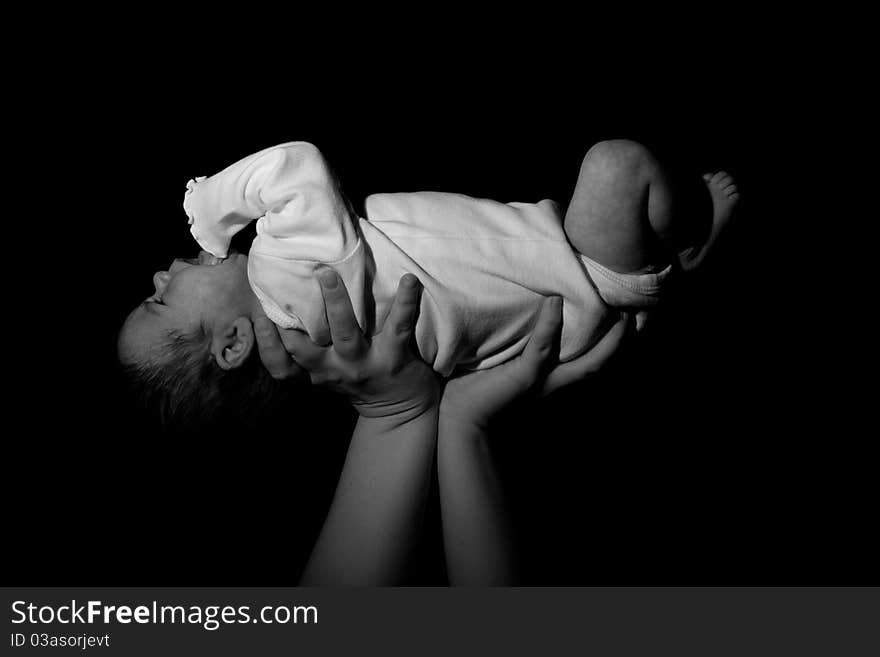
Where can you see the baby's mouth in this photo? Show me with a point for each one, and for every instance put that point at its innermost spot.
(206, 258)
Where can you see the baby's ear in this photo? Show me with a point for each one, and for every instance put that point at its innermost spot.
(232, 347)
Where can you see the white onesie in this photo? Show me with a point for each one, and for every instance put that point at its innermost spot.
(486, 267)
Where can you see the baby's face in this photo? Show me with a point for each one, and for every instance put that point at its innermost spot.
(191, 293)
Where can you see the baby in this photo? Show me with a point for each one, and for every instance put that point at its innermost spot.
(485, 267)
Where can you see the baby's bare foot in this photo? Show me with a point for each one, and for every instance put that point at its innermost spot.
(725, 196)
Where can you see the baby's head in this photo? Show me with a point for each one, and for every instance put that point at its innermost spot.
(189, 348)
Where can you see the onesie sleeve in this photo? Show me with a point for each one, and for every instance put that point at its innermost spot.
(290, 188)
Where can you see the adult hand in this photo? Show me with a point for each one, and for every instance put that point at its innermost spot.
(478, 396)
(381, 376)
(275, 358)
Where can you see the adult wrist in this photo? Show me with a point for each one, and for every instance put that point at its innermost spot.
(403, 410)
(457, 425)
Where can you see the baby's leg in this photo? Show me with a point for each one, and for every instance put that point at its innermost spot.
(621, 212)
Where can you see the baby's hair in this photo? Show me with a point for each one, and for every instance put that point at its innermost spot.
(187, 389)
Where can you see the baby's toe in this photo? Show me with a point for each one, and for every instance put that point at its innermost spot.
(723, 179)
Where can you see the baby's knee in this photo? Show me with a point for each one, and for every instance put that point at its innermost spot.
(619, 157)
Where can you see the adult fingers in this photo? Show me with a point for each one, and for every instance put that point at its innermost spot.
(523, 373)
(401, 321)
(592, 361)
(272, 352)
(348, 341)
(538, 354)
(298, 344)
(498, 386)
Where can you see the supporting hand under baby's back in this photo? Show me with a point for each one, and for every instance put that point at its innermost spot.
(477, 397)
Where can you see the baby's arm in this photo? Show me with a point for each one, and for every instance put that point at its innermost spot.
(290, 186)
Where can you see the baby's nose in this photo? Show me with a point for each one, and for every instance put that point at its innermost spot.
(160, 280)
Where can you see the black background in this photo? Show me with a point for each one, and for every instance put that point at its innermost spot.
(724, 449)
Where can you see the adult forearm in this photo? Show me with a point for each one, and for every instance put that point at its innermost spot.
(376, 515)
(476, 529)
